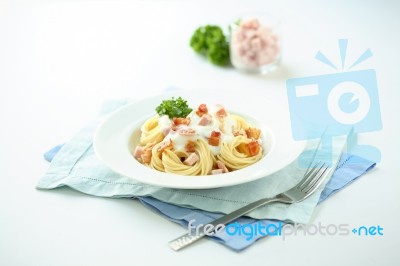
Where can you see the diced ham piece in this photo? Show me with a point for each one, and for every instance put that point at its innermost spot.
(205, 120)
(253, 133)
(166, 130)
(221, 112)
(251, 24)
(139, 150)
(214, 138)
(164, 144)
(181, 121)
(186, 131)
(192, 159)
(253, 147)
(146, 156)
(202, 110)
(254, 45)
(216, 171)
(190, 146)
(222, 166)
(239, 132)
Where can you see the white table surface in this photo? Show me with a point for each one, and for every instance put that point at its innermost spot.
(60, 59)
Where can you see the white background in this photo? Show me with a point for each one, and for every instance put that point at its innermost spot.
(60, 59)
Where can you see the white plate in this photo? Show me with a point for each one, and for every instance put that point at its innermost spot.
(117, 136)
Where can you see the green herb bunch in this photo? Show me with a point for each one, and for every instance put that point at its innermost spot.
(211, 41)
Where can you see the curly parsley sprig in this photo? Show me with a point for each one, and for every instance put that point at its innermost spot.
(174, 108)
(211, 41)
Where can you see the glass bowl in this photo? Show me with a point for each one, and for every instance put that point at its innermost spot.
(255, 43)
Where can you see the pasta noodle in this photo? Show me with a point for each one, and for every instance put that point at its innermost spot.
(203, 143)
(151, 132)
(173, 163)
(240, 122)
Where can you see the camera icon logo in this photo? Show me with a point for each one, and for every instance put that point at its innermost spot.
(339, 103)
(351, 110)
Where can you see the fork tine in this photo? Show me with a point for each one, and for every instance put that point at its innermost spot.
(312, 178)
(311, 169)
(308, 176)
(318, 179)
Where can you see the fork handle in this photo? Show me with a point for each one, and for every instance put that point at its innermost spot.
(188, 239)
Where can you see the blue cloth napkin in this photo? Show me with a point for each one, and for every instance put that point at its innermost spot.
(349, 169)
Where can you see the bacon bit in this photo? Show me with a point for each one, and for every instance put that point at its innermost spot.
(253, 147)
(221, 112)
(222, 166)
(213, 141)
(139, 150)
(165, 144)
(250, 149)
(190, 146)
(216, 171)
(214, 138)
(202, 110)
(205, 120)
(215, 134)
(186, 131)
(239, 132)
(253, 133)
(192, 159)
(181, 121)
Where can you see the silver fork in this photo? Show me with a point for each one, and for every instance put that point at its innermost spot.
(312, 179)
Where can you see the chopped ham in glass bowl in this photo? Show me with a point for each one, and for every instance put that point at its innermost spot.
(255, 43)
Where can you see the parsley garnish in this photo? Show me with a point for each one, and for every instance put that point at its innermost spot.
(174, 108)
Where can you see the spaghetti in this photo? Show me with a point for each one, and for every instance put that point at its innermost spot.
(205, 142)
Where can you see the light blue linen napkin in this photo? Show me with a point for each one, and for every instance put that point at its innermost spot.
(76, 166)
(349, 169)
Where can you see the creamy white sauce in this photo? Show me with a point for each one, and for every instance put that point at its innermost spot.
(179, 141)
(224, 125)
(164, 122)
